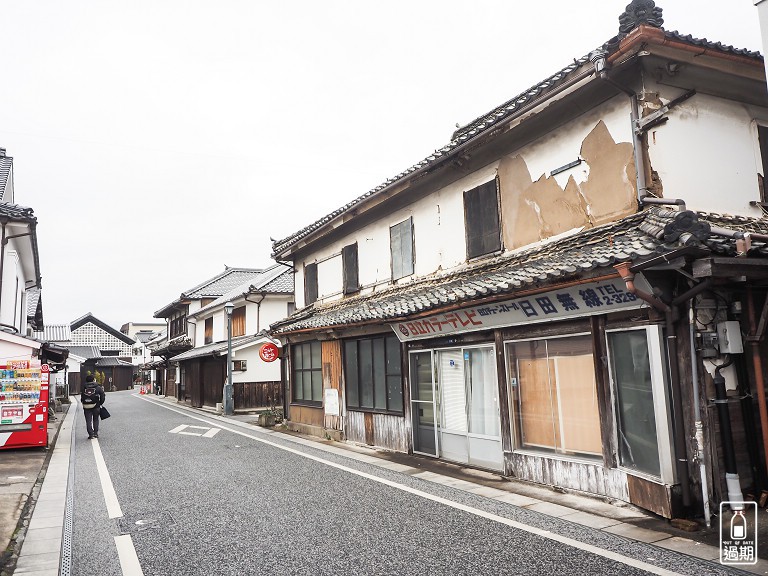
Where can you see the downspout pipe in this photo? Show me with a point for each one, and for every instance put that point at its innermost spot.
(681, 460)
(598, 59)
(698, 424)
(754, 344)
(726, 436)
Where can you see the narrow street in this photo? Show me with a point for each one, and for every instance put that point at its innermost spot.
(167, 490)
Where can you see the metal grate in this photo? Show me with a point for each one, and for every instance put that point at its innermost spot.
(65, 569)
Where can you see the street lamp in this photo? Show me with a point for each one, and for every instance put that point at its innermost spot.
(229, 404)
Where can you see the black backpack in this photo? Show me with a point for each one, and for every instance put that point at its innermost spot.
(90, 394)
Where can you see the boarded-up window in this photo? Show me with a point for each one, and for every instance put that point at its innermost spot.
(307, 373)
(401, 246)
(208, 330)
(553, 385)
(310, 283)
(238, 321)
(481, 216)
(349, 263)
(373, 375)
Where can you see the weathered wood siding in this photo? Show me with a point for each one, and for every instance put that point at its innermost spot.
(583, 476)
(306, 415)
(331, 359)
(257, 394)
(383, 430)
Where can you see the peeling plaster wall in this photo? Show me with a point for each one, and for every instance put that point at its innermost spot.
(601, 189)
(707, 153)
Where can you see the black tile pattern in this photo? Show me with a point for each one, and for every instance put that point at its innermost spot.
(654, 231)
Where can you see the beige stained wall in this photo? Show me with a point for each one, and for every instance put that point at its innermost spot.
(535, 210)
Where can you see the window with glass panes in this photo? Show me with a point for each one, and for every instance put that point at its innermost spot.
(307, 373)
(373, 374)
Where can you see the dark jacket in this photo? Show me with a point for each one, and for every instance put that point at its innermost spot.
(92, 400)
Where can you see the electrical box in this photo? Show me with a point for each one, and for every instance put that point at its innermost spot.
(729, 337)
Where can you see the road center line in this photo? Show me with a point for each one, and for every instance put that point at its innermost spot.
(113, 506)
(426, 495)
(129, 561)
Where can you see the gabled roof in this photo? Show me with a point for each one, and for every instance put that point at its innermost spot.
(277, 279)
(213, 287)
(26, 217)
(145, 336)
(106, 327)
(639, 13)
(111, 361)
(577, 256)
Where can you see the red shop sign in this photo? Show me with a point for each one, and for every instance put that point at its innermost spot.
(269, 352)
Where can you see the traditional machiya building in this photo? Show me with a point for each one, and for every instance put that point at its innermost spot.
(572, 291)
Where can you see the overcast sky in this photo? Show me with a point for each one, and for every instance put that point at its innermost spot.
(159, 140)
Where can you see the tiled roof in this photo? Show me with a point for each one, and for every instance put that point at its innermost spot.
(486, 122)
(18, 213)
(217, 348)
(214, 287)
(111, 361)
(55, 333)
(221, 283)
(6, 163)
(277, 279)
(584, 253)
(83, 351)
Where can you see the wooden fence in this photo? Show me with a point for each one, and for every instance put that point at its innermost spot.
(257, 394)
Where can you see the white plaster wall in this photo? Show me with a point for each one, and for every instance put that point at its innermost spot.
(12, 276)
(258, 370)
(273, 308)
(707, 153)
(438, 219)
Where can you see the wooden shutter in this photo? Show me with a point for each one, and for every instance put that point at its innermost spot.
(481, 214)
(349, 263)
(208, 330)
(238, 321)
(401, 247)
(310, 283)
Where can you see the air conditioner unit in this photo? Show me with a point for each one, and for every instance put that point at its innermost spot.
(239, 365)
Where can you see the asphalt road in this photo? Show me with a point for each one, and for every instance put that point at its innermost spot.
(197, 496)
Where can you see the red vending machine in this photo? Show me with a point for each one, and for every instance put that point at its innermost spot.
(24, 404)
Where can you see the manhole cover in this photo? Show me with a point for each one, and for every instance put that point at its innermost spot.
(135, 523)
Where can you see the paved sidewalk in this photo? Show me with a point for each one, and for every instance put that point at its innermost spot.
(41, 543)
(32, 530)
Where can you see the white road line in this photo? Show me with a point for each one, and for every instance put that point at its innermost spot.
(212, 432)
(113, 506)
(129, 561)
(177, 429)
(191, 433)
(426, 495)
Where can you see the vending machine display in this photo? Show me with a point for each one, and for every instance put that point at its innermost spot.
(24, 389)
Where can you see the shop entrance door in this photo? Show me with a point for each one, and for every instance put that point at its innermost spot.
(423, 412)
(469, 429)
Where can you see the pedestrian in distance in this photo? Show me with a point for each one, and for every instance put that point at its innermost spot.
(92, 398)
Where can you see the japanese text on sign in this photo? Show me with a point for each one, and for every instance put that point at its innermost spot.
(582, 300)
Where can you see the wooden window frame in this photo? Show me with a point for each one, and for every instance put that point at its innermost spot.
(355, 380)
(238, 321)
(298, 367)
(482, 220)
(399, 248)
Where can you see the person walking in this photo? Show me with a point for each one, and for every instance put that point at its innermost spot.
(92, 398)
